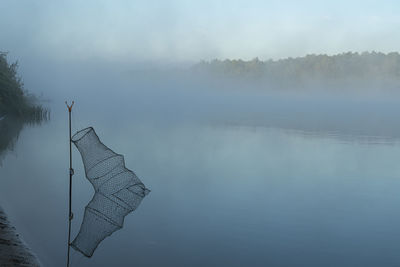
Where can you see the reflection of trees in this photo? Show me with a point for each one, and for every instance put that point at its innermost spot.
(18, 106)
(10, 129)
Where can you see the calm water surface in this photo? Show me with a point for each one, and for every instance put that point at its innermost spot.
(224, 193)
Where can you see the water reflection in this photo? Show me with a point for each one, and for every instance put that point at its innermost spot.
(11, 127)
(226, 194)
(341, 136)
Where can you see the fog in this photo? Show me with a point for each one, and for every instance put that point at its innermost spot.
(243, 171)
(165, 95)
(179, 31)
(89, 51)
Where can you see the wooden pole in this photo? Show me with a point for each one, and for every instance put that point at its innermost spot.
(71, 173)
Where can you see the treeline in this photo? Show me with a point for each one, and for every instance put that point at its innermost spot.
(368, 68)
(14, 101)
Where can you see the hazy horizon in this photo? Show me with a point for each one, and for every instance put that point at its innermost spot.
(181, 32)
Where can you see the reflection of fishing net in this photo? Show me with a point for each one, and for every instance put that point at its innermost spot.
(118, 191)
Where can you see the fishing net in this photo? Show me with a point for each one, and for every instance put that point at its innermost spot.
(118, 191)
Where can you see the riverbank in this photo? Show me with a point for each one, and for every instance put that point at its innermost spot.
(13, 251)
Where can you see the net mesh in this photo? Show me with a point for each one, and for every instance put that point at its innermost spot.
(118, 191)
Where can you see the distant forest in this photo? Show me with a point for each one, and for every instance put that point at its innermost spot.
(372, 69)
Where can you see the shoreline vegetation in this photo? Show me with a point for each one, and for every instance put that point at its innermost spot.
(14, 100)
(370, 69)
(17, 107)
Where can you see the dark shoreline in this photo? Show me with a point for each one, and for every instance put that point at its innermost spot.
(13, 250)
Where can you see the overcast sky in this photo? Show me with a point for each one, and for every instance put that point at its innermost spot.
(188, 31)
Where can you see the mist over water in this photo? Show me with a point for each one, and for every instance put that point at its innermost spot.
(240, 176)
(284, 161)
